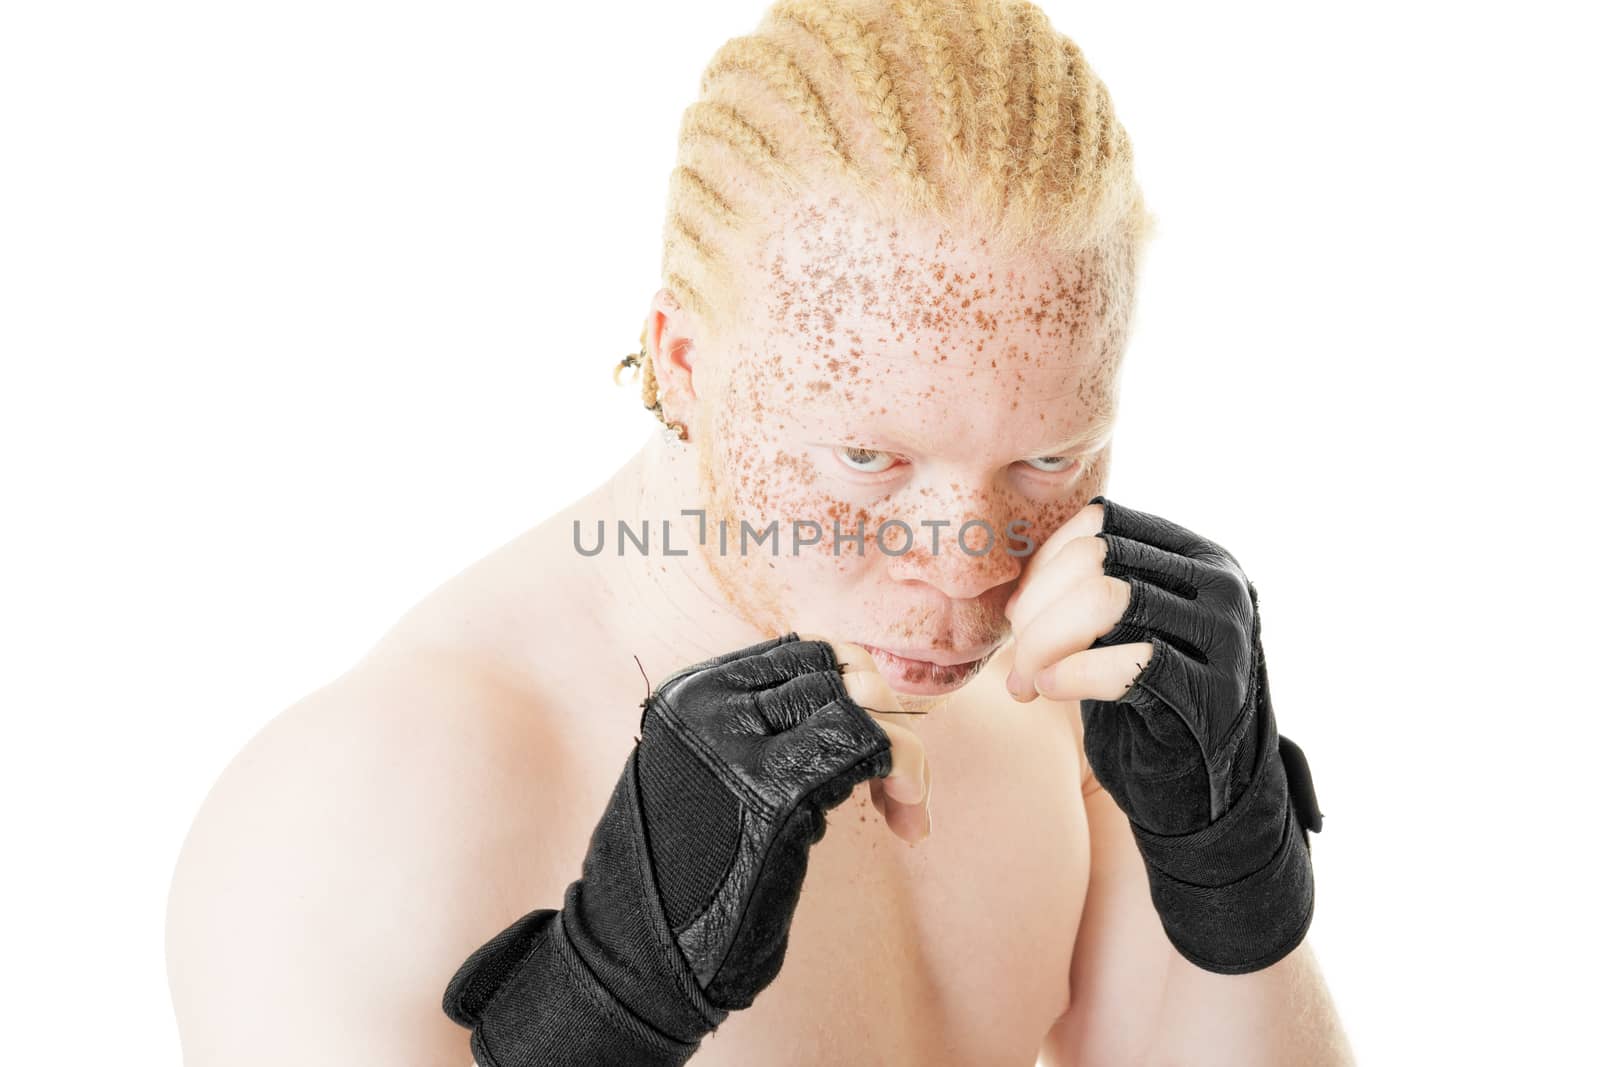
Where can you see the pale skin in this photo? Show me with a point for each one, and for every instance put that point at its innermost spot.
(374, 834)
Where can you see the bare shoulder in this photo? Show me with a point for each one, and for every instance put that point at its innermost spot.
(350, 857)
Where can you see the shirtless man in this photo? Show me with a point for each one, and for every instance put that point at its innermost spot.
(881, 367)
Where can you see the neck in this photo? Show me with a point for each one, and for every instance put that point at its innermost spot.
(666, 609)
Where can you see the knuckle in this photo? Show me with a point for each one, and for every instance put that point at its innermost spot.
(851, 652)
(1114, 595)
(1030, 644)
(1058, 537)
(863, 688)
(1085, 552)
(1235, 587)
(858, 687)
(1068, 674)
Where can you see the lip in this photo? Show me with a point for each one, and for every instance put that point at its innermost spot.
(938, 659)
(928, 673)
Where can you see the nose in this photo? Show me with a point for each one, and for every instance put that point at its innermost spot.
(962, 553)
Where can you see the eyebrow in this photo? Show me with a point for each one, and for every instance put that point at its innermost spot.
(1091, 435)
(1096, 432)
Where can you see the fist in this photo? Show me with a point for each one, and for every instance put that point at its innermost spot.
(740, 760)
(1154, 630)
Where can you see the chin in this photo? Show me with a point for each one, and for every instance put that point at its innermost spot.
(924, 705)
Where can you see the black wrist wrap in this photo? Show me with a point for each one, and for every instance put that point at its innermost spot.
(1217, 919)
(692, 875)
(598, 982)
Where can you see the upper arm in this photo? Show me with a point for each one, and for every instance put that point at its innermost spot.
(334, 878)
(1121, 956)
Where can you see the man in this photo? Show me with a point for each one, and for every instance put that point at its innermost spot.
(902, 376)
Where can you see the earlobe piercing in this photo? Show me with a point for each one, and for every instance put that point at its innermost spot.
(674, 429)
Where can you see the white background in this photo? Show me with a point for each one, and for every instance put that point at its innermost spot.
(306, 306)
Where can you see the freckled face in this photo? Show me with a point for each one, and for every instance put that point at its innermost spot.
(901, 374)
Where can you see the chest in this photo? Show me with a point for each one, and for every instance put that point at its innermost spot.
(954, 951)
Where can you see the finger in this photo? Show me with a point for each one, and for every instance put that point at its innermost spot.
(907, 820)
(906, 782)
(845, 653)
(1123, 521)
(901, 796)
(871, 690)
(1124, 557)
(1096, 674)
(863, 681)
(875, 788)
(742, 653)
(1085, 522)
(1153, 611)
(1065, 627)
(1075, 561)
(927, 801)
(849, 656)
(1168, 682)
(910, 822)
(779, 661)
(785, 706)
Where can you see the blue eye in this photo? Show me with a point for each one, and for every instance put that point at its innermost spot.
(865, 460)
(1053, 464)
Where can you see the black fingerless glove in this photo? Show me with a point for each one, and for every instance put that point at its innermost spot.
(1220, 805)
(692, 875)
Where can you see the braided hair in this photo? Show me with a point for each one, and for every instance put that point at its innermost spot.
(974, 112)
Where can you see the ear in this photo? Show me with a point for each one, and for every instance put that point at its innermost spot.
(670, 332)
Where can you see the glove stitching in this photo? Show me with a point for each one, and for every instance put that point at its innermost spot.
(1225, 750)
(1118, 566)
(722, 882)
(480, 1051)
(1193, 651)
(1140, 684)
(1134, 626)
(1215, 831)
(1196, 764)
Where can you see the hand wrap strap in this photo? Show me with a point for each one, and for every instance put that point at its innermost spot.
(1216, 919)
(1220, 806)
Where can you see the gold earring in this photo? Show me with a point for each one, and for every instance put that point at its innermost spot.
(677, 429)
(632, 359)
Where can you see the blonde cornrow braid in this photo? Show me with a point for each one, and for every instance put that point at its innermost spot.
(974, 112)
(860, 52)
(1083, 118)
(994, 81)
(1045, 116)
(768, 61)
(688, 186)
(950, 88)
